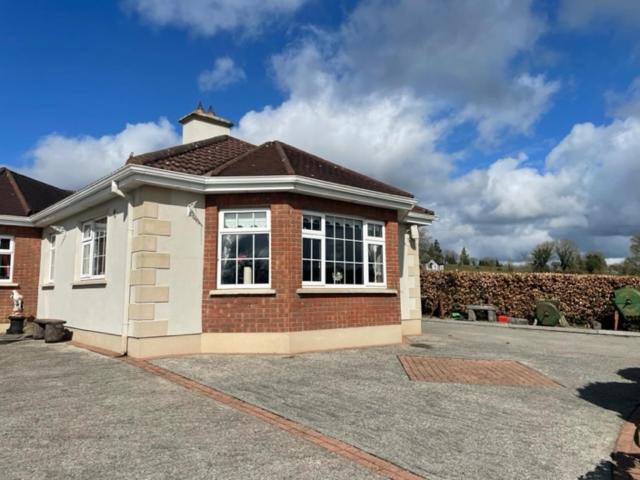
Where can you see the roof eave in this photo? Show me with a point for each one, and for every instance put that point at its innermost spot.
(16, 221)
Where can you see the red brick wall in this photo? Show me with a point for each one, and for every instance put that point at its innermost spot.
(26, 269)
(287, 311)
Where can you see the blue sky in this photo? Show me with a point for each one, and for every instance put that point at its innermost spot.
(516, 120)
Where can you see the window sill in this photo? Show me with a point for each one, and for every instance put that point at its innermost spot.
(346, 291)
(47, 286)
(9, 285)
(241, 291)
(91, 283)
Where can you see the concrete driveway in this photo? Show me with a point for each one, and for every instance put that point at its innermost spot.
(71, 414)
(445, 430)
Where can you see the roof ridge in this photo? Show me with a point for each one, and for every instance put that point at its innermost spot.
(175, 150)
(221, 168)
(283, 156)
(18, 192)
(361, 175)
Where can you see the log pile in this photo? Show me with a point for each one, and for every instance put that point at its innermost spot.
(583, 298)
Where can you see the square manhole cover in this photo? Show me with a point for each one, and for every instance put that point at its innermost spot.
(473, 371)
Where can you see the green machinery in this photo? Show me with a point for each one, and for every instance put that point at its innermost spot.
(548, 313)
(627, 303)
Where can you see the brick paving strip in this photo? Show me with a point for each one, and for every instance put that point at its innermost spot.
(338, 447)
(472, 371)
(626, 454)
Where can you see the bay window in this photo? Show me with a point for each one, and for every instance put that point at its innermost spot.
(342, 251)
(93, 249)
(244, 247)
(7, 246)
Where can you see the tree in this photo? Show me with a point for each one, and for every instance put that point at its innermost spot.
(424, 245)
(464, 257)
(632, 263)
(594, 262)
(436, 253)
(540, 256)
(568, 254)
(450, 257)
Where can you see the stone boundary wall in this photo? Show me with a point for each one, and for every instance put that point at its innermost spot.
(583, 298)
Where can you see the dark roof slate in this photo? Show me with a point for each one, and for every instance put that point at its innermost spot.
(23, 196)
(196, 158)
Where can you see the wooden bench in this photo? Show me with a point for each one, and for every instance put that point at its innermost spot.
(490, 309)
(51, 330)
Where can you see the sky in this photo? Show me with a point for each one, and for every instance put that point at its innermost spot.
(516, 121)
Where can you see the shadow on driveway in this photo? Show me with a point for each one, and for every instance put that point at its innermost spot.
(622, 398)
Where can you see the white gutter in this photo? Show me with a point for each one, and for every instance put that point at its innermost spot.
(129, 177)
(15, 221)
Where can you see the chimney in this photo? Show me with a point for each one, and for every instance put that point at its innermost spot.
(200, 124)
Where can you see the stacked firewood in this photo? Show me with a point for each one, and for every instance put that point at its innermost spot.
(584, 299)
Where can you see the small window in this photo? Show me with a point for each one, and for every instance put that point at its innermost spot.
(52, 257)
(244, 252)
(93, 249)
(6, 258)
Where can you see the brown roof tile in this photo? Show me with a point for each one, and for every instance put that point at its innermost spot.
(23, 196)
(196, 158)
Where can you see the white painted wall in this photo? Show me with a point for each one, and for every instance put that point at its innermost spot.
(99, 309)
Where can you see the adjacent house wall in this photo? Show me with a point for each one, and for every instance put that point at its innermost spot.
(26, 270)
(97, 307)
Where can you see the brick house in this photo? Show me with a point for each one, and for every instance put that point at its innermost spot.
(218, 245)
(20, 240)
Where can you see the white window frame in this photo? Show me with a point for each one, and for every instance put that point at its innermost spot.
(11, 252)
(244, 230)
(90, 241)
(366, 241)
(52, 257)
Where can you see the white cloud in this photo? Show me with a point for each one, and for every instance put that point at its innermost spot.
(626, 104)
(72, 162)
(581, 13)
(223, 73)
(208, 17)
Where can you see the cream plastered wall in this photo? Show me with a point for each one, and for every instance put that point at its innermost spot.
(167, 263)
(90, 305)
(195, 130)
(410, 301)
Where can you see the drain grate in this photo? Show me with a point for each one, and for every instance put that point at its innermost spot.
(473, 371)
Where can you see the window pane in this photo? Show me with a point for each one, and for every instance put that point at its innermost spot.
(99, 252)
(306, 248)
(329, 245)
(306, 270)
(317, 271)
(229, 246)
(348, 252)
(339, 228)
(348, 229)
(328, 272)
(374, 230)
(262, 245)
(339, 250)
(245, 272)
(328, 225)
(5, 266)
(86, 259)
(4, 273)
(306, 222)
(245, 246)
(359, 280)
(228, 273)
(349, 274)
(316, 253)
(261, 274)
(372, 274)
(357, 230)
(317, 223)
(379, 276)
(260, 219)
(5, 243)
(86, 231)
(230, 220)
(338, 274)
(245, 219)
(358, 251)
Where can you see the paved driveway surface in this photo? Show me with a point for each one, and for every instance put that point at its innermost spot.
(66, 413)
(450, 430)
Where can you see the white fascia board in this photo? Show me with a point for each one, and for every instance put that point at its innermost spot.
(130, 177)
(15, 221)
(422, 219)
